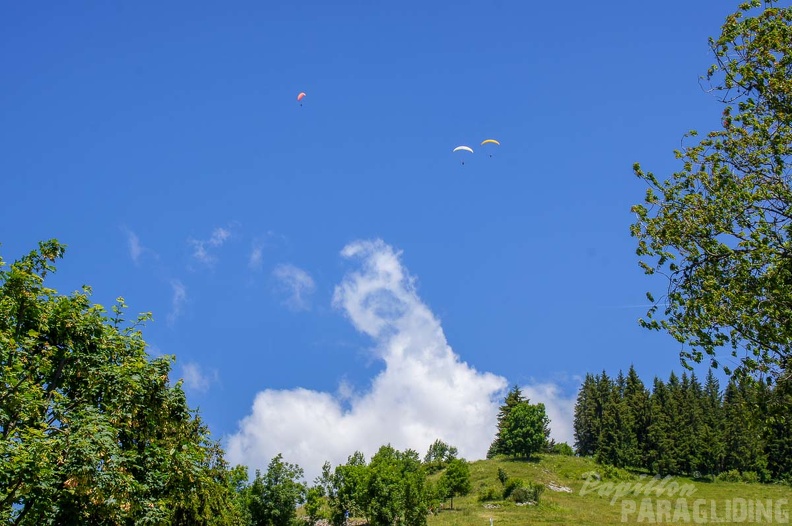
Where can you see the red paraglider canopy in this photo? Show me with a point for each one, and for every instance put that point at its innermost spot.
(301, 96)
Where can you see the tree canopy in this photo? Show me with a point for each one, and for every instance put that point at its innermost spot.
(719, 228)
(526, 431)
(91, 431)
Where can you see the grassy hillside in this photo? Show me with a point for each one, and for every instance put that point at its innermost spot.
(596, 503)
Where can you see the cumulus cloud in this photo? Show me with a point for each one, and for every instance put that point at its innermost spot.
(201, 247)
(297, 284)
(425, 391)
(178, 299)
(196, 379)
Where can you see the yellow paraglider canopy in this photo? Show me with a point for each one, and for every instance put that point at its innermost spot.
(490, 141)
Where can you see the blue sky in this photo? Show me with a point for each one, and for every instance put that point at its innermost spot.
(337, 255)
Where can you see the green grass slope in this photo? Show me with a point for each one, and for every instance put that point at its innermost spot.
(617, 497)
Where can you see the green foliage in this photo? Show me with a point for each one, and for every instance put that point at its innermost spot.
(719, 229)
(689, 429)
(589, 408)
(562, 449)
(392, 488)
(509, 487)
(502, 476)
(455, 480)
(528, 492)
(274, 496)
(513, 397)
(91, 432)
(526, 430)
(345, 488)
(438, 456)
(488, 493)
(315, 505)
(395, 489)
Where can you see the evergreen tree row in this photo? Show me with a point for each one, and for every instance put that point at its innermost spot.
(683, 427)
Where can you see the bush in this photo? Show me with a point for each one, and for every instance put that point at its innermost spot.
(613, 473)
(536, 491)
(562, 449)
(502, 476)
(488, 493)
(528, 493)
(510, 486)
(732, 475)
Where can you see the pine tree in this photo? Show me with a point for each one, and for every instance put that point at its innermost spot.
(513, 398)
(637, 406)
(689, 432)
(586, 421)
(743, 424)
(662, 452)
(616, 441)
(778, 430)
(711, 455)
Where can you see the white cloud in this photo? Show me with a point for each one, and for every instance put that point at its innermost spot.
(425, 391)
(178, 299)
(195, 379)
(136, 249)
(297, 284)
(256, 258)
(219, 235)
(201, 247)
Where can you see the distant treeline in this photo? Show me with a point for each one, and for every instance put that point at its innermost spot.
(683, 427)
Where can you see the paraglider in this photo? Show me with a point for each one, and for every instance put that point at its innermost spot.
(490, 141)
(463, 149)
(300, 97)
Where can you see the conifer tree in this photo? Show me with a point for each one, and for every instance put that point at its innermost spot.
(586, 423)
(743, 428)
(637, 406)
(616, 441)
(711, 453)
(778, 431)
(513, 398)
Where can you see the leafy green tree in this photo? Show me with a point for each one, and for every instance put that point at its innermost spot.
(438, 456)
(396, 491)
(513, 397)
(91, 431)
(719, 228)
(315, 504)
(274, 497)
(526, 430)
(346, 487)
(455, 480)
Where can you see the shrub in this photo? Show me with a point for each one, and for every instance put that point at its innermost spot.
(502, 476)
(488, 493)
(510, 486)
(528, 493)
(562, 449)
(732, 475)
